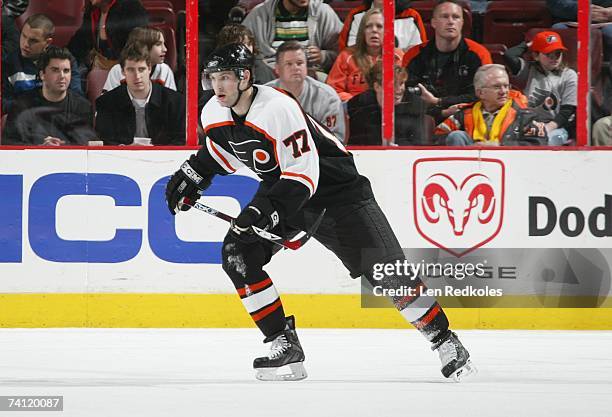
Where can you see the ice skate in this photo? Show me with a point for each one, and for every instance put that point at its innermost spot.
(285, 362)
(455, 358)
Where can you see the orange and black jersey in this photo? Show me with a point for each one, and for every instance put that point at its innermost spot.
(298, 160)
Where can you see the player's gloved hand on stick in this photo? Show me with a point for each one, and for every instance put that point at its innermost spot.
(186, 183)
(259, 213)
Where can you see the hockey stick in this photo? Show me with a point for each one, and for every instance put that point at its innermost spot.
(264, 234)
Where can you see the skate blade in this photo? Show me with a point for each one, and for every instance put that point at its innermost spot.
(464, 372)
(296, 372)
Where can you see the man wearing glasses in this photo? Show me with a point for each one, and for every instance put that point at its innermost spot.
(496, 118)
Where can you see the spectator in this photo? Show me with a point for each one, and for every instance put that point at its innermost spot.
(20, 70)
(241, 34)
(566, 11)
(409, 28)
(551, 87)
(152, 40)
(348, 73)
(444, 68)
(602, 132)
(11, 9)
(310, 22)
(104, 32)
(365, 114)
(496, 118)
(140, 108)
(317, 98)
(52, 115)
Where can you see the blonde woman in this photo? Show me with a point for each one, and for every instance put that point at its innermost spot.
(151, 39)
(347, 76)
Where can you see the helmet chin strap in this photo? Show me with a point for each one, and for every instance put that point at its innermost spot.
(240, 93)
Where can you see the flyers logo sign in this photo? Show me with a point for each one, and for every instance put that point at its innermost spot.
(458, 202)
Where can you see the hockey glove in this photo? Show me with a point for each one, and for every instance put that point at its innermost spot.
(259, 213)
(186, 183)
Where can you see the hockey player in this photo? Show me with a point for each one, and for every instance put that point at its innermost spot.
(303, 169)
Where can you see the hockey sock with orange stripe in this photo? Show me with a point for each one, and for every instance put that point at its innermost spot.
(262, 302)
(423, 312)
(243, 263)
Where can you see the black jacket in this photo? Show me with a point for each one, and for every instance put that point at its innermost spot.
(33, 118)
(165, 117)
(452, 82)
(123, 16)
(365, 121)
(20, 74)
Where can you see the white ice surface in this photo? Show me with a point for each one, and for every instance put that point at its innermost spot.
(377, 373)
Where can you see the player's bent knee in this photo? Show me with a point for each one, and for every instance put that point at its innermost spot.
(233, 261)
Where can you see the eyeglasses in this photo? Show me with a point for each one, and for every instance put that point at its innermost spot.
(498, 87)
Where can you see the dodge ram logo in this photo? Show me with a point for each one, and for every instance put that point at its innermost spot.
(458, 202)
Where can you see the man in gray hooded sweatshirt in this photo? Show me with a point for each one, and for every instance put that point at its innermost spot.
(311, 22)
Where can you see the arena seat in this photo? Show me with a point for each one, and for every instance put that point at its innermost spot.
(95, 81)
(179, 5)
(67, 15)
(343, 7)
(497, 51)
(162, 3)
(506, 22)
(425, 9)
(161, 15)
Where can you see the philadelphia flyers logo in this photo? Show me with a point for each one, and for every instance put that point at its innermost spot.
(256, 158)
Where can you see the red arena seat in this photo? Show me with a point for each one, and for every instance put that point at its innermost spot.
(67, 16)
(507, 21)
(161, 15)
(178, 5)
(162, 3)
(343, 7)
(497, 51)
(95, 82)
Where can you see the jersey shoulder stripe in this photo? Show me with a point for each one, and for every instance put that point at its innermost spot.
(220, 156)
(215, 115)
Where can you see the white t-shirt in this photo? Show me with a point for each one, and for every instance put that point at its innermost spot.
(162, 74)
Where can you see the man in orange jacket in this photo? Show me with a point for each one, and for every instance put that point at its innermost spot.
(499, 117)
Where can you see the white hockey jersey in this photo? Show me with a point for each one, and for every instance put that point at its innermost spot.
(296, 157)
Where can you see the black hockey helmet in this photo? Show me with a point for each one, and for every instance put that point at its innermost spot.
(231, 57)
(234, 57)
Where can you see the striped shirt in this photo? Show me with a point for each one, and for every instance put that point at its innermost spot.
(290, 27)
